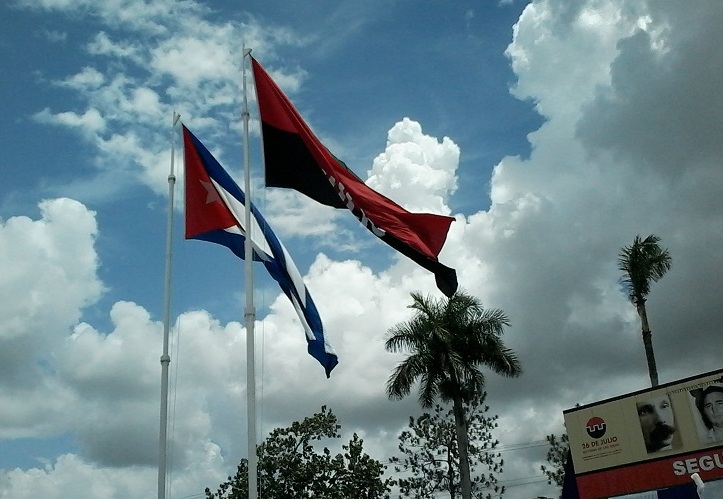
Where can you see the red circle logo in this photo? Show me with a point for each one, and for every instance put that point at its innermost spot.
(595, 427)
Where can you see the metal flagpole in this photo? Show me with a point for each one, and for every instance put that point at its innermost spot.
(250, 312)
(165, 358)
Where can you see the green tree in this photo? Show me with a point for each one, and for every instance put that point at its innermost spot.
(430, 459)
(556, 457)
(290, 467)
(449, 340)
(643, 263)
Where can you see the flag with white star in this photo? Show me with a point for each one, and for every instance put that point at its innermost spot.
(215, 212)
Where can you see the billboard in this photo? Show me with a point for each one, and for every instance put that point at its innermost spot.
(649, 439)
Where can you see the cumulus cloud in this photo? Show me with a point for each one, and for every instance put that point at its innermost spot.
(630, 145)
(48, 269)
(416, 170)
(89, 123)
(47, 258)
(63, 376)
(558, 219)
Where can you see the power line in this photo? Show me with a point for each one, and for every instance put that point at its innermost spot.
(532, 479)
(522, 445)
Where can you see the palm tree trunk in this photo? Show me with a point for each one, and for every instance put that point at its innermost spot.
(451, 486)
(648, 344)
(460, 423)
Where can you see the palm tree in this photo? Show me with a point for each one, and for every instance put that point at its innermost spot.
(644, 262)
(449, 340)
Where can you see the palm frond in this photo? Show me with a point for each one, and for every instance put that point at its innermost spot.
(449, 340)
(428, 390)
(405, 375)
(641, 263)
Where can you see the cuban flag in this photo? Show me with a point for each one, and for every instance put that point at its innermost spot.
(215, 212)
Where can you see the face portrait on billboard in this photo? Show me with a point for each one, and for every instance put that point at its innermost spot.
(657, 423)
(709, 403)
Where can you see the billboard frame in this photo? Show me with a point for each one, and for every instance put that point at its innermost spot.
(645, 440)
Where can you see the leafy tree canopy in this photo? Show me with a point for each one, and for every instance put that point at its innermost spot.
(290, 467)
(556, 458)
(430, 459)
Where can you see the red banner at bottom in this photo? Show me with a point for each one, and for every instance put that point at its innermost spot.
(651, 475)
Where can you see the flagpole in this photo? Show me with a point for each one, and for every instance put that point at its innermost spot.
(250, 312)
(165, 358)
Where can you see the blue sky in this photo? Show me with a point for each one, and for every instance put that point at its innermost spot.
(553, 132)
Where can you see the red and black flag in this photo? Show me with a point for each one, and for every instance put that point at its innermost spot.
(296, 159)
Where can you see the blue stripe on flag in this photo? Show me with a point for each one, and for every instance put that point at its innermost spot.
(271, 252)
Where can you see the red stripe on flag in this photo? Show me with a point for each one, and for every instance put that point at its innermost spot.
(204, 210)
(426, 233)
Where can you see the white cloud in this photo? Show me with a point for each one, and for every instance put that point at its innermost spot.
(47, 258)
(416, 170)
(631, 145)
(70, 476)
(100, 386)
(192, 61)
(89, 123)
(145, 17)
(559, 218)
(48, 269)
(87, 79)
(138, 76)
(292, 214)
(556, 42)
(102, 45)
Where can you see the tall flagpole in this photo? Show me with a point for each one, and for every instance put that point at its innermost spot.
(165, 358)
(250, 311)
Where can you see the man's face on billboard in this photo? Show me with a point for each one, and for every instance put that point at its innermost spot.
(657, 422)
(713, 408)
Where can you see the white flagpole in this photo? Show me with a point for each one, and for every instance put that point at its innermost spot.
(165, 358)
(250, 311)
